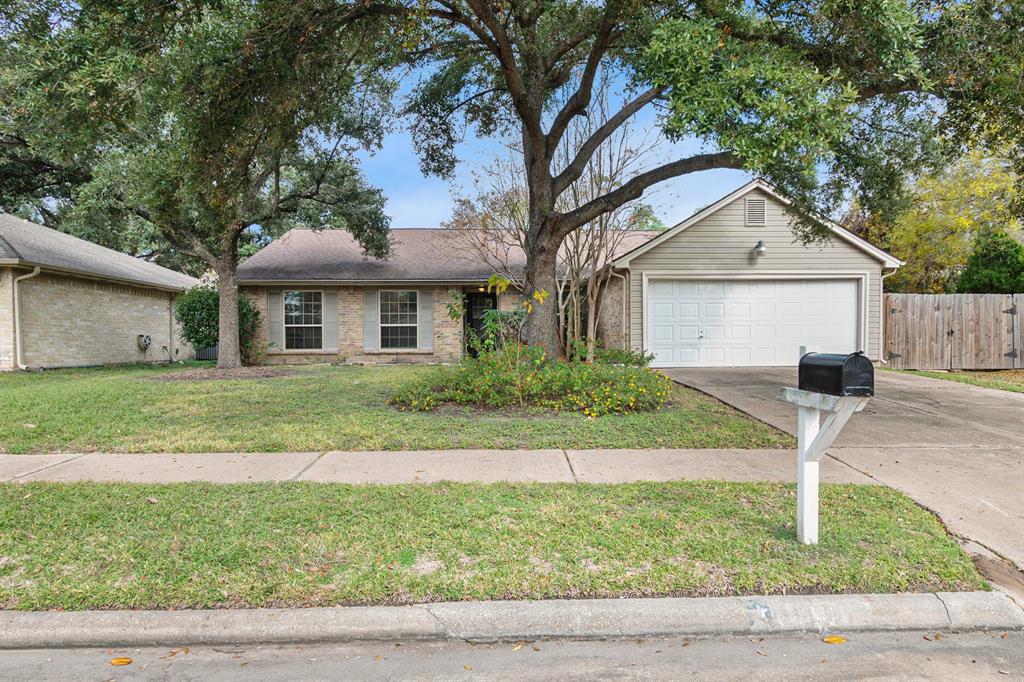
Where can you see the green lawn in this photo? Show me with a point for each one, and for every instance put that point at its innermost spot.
(83, 546)
(322, 408)
(1004, 380)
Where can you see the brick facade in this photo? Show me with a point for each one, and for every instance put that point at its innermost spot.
(70, 321)
(448, 343)
(7, 359)
(610, 315)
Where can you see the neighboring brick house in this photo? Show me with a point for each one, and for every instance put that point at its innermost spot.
(727, 286)
(66, 302)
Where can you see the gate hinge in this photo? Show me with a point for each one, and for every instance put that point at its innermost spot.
(1012, 310)
(893, 311)
(1012, 354)
(893, 356)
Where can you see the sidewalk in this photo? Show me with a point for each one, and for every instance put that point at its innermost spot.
(428, 466)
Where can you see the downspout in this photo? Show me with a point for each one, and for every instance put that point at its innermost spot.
(17, 317)
(625, 292)
(881, 332)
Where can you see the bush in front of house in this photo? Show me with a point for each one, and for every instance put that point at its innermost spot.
(519, 376)
(198, 313)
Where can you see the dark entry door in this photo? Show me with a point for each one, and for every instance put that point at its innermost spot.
(477, 304)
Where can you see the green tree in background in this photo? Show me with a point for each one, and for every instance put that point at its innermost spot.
(198, 126)
(995, 267)
(949, 211)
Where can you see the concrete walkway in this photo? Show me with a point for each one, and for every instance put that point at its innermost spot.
(954, 448)
(484, 466)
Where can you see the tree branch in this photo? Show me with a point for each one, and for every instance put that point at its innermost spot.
(634, 188)
(579, 101)
(575, 169)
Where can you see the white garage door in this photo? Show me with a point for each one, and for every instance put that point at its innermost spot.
(749, 323)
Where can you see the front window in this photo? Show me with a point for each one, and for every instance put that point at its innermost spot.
(303, 320)
(398, 320)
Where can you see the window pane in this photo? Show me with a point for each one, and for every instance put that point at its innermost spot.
(398, 337)
(398, 307)
(303, 307)
(303, 338)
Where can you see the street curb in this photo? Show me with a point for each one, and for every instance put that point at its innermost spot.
(498, 621)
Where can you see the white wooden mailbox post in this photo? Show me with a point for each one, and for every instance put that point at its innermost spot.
(812, 440)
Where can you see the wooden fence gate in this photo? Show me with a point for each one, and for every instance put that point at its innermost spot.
(954, 331)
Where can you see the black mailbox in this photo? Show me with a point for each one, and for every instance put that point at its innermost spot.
(837, 374)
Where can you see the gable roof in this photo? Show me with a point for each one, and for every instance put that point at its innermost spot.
(418, 255)
(25, 243)
(887, 259)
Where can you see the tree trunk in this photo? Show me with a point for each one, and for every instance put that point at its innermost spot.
(542, 323)
(229, 354)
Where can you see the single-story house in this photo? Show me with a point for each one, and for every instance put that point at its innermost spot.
(728, 286)
(66, 302)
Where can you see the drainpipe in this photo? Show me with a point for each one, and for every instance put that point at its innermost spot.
(17, 318)
(881, 331)
(625, 341)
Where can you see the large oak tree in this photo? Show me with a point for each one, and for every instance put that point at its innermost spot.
(204, 125)
(824, 98)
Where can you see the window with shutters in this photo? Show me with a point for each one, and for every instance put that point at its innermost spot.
(756, 209)
(399, 320)
(303, 320)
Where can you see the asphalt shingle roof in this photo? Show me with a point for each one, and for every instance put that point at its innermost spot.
(37, 245)
(420, 255)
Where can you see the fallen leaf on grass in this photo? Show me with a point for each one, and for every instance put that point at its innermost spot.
(152, 500)
(120, 660)
(834, 639)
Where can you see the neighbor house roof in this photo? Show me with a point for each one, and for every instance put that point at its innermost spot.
(26, 243)
(887, 259)
(418, 255)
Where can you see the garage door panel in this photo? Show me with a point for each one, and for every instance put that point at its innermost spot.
(663, 333)
(756, 322)
(714, 311)
(739, 309)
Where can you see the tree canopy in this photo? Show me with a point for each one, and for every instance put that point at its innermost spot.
(995, 267)
(202, 125)
(826, 99)
(949, 210)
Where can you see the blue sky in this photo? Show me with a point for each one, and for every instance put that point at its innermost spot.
(414, 200)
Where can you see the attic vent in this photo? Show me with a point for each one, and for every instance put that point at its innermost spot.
(755, 211)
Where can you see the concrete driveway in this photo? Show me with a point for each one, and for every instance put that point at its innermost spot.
(956, 449)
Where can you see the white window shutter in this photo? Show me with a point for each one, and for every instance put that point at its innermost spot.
(275, 319)
(425, 316)
(371, 320)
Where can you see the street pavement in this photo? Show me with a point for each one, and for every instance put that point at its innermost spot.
(909, 655)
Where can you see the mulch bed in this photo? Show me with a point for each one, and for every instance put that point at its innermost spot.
(214, 374)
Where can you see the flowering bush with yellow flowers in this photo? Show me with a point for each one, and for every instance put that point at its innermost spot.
(523, 377)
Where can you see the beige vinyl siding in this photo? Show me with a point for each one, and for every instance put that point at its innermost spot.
(721, 244)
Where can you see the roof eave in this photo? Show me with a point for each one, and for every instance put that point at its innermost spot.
(20, 262)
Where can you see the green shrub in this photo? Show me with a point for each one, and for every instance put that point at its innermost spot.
(995, 267)
(198, 313)
(520, 376)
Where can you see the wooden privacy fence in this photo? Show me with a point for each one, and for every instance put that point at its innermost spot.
(954, 331)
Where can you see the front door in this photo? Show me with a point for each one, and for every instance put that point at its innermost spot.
(477, 303)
